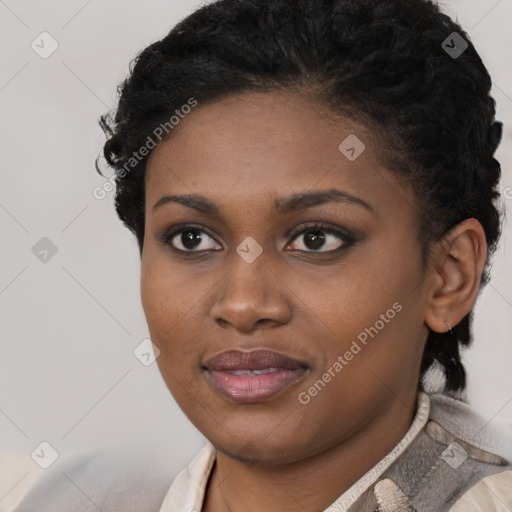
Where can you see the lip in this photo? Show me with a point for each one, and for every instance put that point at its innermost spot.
(231, 374)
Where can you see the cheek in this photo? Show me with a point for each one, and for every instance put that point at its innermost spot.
(166, 316)
(387, 272)
(165, 307)
(157, 299)
(354, 295)
(172, 303)
(166, 295)
(370, 312)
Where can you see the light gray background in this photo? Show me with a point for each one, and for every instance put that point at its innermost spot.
(69, 326)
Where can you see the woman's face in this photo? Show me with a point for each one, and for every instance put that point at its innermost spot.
(344, 302)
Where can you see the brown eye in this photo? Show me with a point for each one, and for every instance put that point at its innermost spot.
(320, 238)
(190, 239)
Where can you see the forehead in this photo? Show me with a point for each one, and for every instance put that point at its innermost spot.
(239, 129)
(261, 144)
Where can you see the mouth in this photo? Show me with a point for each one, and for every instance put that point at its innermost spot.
(252, 377)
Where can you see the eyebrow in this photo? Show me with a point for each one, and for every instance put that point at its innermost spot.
(282, 206)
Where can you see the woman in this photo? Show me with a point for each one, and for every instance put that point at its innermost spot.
(314, 194)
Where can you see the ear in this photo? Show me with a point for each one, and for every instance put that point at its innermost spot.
(458, 259)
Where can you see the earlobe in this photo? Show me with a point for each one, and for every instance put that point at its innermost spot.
(458, 262)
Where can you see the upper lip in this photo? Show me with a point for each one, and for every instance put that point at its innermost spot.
(253, 360)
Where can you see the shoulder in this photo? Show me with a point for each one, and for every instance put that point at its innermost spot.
(487, 442)
(113, 480)
(490, 434)
(491, 494)
(458, 462)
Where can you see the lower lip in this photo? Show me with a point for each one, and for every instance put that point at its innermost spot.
(249, 389)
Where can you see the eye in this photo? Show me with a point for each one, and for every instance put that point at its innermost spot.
(321, 236)
(191, 238)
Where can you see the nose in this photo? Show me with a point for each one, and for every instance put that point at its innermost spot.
(251, 295)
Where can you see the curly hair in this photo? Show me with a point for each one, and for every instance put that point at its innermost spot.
(381, 62)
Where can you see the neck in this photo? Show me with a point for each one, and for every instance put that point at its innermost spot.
(312, 483)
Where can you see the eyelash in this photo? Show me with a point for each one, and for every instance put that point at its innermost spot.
(345, 236)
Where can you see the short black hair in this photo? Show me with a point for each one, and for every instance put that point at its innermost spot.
(386, 63)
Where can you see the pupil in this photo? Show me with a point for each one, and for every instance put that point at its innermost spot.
(190, 237)
(316, 241)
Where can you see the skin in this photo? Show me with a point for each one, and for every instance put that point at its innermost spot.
(242, 153)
